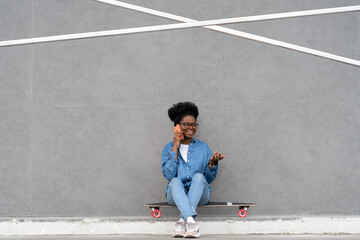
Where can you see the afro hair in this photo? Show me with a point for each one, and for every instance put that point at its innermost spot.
(182, 109)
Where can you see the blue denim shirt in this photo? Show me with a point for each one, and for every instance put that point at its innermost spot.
(198, 157)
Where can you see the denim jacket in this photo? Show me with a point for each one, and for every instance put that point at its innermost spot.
(198, 157)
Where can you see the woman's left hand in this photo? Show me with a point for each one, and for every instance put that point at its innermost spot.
(215, 158)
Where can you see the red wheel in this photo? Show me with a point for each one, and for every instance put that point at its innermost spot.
(156, 213)
(242, 213)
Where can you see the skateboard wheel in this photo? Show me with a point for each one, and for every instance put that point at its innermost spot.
(156, 213)
(242, 213)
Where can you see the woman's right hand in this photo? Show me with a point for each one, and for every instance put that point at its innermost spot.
(178, 136)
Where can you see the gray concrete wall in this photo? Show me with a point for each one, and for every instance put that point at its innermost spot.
(83, 123)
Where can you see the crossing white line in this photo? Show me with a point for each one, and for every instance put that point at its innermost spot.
(241, 19)
(190, 23)
(247, 35)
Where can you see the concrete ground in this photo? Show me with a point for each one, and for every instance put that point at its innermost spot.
(208, 237)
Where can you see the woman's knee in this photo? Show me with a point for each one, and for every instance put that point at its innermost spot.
(199, 177)
(175, 181)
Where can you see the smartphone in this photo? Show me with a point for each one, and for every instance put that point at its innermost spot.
(178, 130)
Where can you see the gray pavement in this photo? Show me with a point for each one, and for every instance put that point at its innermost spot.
(208, 237)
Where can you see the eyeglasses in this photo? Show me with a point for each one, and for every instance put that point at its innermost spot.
(187, 125)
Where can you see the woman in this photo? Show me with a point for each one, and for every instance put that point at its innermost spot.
(190, 167)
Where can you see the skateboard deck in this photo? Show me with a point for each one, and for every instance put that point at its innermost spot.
(155, 207)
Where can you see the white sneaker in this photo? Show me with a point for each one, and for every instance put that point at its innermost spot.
(179, 229)
(192, 230)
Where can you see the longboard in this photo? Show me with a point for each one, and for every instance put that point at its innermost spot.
(155, 207)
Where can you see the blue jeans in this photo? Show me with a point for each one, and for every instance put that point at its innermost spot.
(188, 199)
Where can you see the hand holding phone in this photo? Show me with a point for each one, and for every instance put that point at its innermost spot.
(177, 128)
(178, 134)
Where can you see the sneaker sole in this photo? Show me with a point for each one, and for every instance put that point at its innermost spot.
(192, 235)
(178, 235)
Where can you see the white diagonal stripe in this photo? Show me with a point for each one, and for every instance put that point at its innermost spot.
(252, 36)
(189, 23)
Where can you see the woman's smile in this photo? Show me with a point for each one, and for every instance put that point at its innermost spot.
(189, 132)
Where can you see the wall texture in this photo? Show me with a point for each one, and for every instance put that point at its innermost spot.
(83, 123)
